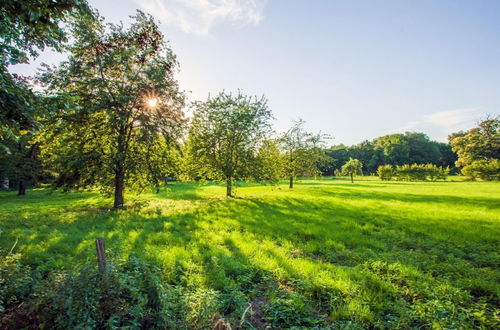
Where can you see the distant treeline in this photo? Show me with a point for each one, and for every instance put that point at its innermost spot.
(393, 149)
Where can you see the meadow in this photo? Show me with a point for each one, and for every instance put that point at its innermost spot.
(326, 254)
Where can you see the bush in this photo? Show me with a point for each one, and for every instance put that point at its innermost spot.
(385, 172)
(15, 282)
(488, 170)
(421, 172)
(127, 294)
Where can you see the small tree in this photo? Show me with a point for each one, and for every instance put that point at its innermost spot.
(225, 134)
(352, 167)
(303, 152)
(385, 172)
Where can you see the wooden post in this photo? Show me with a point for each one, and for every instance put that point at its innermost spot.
(101, 256)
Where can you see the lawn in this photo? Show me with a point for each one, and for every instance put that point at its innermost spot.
(326, 254)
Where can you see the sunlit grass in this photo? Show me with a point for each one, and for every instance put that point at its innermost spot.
(362, 251)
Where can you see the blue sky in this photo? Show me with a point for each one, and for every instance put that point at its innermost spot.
(353, 69)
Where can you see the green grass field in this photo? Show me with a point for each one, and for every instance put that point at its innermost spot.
(327, 253)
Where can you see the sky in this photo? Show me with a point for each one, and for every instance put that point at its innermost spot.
(352, 69)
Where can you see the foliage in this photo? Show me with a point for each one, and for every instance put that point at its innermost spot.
(25, 28)
(488, 170)
(421, 172)
(107, 133)
(15, 282)
(385, 172)
(394, 149)
(225, 134)
(327, 254)
(129, 293)
(270, 162)
(29, 26)
(302, 152)
(352, 167)
(19, 162)
(479, 143)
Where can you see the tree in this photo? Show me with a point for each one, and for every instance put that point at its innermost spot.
(394, 148)
(487, 170)
(303, 152)
(447, 157)
(122, 107)
(338, 155)
(225, 134)
(477, 144)
(421, 149)
(270, 161)
(366, 154)
(352, 167)
(26, 27)
(18, 161)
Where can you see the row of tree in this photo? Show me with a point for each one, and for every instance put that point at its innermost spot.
(111, 116)
(394, 149)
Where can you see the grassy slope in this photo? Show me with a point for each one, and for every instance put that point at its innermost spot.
(367, 251)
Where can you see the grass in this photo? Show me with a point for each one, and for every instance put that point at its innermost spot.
(327, 253)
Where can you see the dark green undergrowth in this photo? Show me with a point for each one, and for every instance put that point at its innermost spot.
(328, 254)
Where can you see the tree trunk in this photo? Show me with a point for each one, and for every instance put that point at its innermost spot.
(229, 187)
(119, 189)
(22, 189)
(5, 183)
(352, 179)
(291, 182)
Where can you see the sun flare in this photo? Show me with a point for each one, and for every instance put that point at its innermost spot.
(152, 102)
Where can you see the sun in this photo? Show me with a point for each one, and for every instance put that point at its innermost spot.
(152, 102)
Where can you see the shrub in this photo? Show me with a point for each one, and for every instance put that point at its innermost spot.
(15, 282)
(385, 172)
(127, 294)
(488, 170)
(421, 172)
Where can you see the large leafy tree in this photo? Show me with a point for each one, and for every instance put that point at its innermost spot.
(478, 150)
(421, 149)
(18, 152)
(479, 143)
(26, 27)
(123, 107)
(395, 148)
(303, 151)
(225, 134)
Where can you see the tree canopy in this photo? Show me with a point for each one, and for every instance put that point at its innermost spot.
(352, 167)
(26, 27)
(392, 149)
(225, 134)
(303, 153)
(478, 150)
(123, 107)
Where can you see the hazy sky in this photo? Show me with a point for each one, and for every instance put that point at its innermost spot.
(352, 69)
